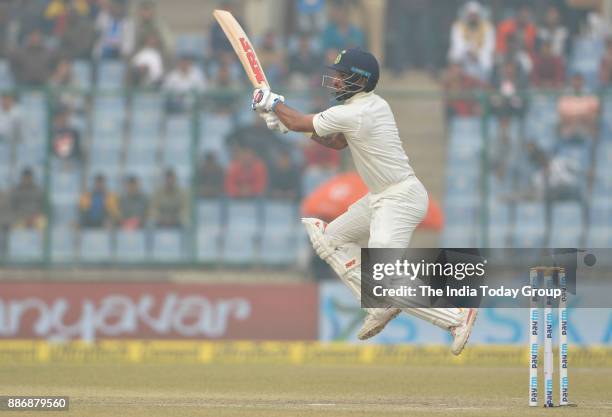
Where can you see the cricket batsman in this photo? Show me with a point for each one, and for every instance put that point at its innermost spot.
(397, 201)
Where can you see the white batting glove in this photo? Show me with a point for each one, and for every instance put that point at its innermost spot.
(264, 100)
(273, 122)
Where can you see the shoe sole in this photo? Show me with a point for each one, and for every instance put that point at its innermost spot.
(471, 321)
(375, 330)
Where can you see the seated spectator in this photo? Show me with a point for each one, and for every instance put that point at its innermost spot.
(304, 64)
(28, 203)
(181, 85)
(507, 100)
(56, 13)
(519, 56)
(519, 27)
(605, 68)
(553, 32)
(210, 177)
(133, 205)
(247, 175)
(64, 87)
(98, 207)
(272, 58)
(458, 89)
(147, 65)
(285, 178)
(10, 121)
(79, 36)
(578, 112)
(111, 28)
(146, 23)
(170, 204)
(473, 42)
(33, 64)
(340, 33)
(548, 69)
(66, 140)
(507, 103)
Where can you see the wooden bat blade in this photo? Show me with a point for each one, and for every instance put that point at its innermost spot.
(243, 48)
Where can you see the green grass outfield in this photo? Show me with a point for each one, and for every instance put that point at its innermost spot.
(216, 389)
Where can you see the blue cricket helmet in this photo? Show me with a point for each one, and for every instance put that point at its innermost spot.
(359, 62)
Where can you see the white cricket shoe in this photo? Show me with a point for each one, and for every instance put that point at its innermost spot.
(376, 320)
(461, 333)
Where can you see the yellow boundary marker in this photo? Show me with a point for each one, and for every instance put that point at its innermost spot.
(274, 352)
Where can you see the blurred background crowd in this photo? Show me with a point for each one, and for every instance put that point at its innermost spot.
(126, 136)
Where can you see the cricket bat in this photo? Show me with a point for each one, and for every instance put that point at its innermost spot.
(243, 48)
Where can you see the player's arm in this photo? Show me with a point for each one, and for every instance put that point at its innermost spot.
(299, 122)
(293, 119)
(334, 141)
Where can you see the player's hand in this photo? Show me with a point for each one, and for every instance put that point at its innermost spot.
(273, 122)
(264, 100)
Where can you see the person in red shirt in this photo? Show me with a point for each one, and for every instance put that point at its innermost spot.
(548, 68)
(247, 175)
(521, 25)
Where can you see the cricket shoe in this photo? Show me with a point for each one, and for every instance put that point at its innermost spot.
(461, 333)
(376, 320)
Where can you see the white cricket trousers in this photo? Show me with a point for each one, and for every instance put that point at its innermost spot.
(382, 220)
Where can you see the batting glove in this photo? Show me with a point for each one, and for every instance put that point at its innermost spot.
(265, 100)
(273, 122)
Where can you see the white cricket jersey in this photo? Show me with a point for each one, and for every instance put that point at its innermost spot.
(369, 127)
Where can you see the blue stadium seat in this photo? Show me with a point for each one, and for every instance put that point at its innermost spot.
(530, 225)
(140, 154)
(25, 246)
(243, 215)
(6, 76)
(213, 130)
(95, 245)
(210, 212)
(566, 225)
(82, 73)
(281, 214)
(131, 246)
(239, 246)
(30, 153)
(194, 44)
(62, 244)
(178, 127)
(278, 246)
(208, 243)
(167, 246)
(111, 74)
(66, 210)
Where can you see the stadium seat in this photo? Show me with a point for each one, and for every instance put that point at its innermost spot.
(210, 212)
(193, 44)
(243, 215)
(6, 76)
(131, 246)
(278, 246)
(65, 209)
(178, 127)
(312, 178)
(208, 243)
(281, 214)
(111, 75)
(82, 74)
(62, 244)
(530, 225)
(25, 246)
(95, 245)
(239, 246)
(167, 246)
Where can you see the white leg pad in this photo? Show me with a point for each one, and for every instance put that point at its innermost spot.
(444, 318)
